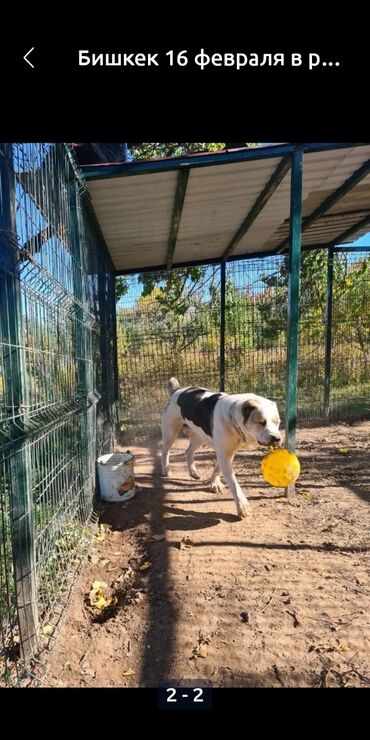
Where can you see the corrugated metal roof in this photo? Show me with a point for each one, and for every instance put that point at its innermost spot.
(136, 213)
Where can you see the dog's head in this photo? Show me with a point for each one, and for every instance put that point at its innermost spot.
(261, 420)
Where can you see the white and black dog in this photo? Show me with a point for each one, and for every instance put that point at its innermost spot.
(226, 422)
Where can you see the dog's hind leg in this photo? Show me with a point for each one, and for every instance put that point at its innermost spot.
(195, 443)
(215, 482)
(170, 432)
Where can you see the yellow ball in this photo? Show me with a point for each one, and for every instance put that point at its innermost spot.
(280, 468)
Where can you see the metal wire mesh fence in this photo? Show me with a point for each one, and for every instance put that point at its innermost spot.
(350, 360)
(169, 324)
(57, 398)
(156, 340)
(58, 378)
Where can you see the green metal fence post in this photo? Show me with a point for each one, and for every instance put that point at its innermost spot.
(11, 331)
(328, 330)
(115, 358)
(107, 439)
(222, 326)
(83, 339)
(293, 300)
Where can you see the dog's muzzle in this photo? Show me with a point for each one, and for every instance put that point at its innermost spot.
(272, 441)
(275, 441)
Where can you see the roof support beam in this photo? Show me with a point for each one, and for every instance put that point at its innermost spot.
(182, 183)
(350, 248)
(332, 199)
(349, 232)
(240, 257)
(140, 167)
(269, 189)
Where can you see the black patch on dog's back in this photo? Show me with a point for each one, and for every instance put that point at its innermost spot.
(197, 409)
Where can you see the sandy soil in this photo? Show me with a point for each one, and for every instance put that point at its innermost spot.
(280, 598)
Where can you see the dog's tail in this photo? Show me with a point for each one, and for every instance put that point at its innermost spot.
(173, 385)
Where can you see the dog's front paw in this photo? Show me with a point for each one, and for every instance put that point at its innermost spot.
(194, 474)
(217, 486)
(167, 473)
(242, 508)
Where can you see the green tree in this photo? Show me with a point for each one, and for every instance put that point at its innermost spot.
(155, 150)
(352, 305)
(121, 288)
(177, 286)
(238, 316)
(273, 302)
(351, 283)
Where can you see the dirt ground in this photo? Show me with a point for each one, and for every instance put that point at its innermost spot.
(279, 599)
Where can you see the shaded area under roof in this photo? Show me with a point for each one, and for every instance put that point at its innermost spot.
(214, 206)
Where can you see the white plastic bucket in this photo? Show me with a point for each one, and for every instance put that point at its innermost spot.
(116, 476)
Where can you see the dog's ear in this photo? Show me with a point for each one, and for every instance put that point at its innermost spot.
(247, 408)
(173, 385)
